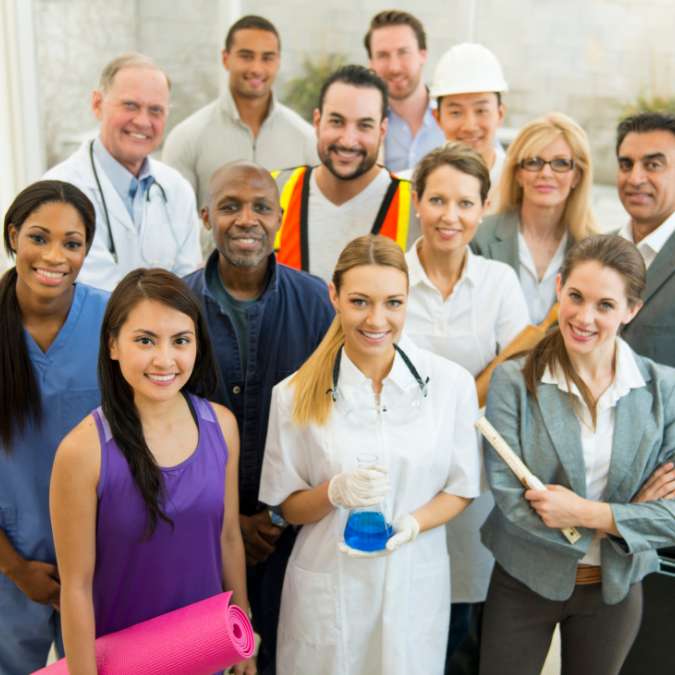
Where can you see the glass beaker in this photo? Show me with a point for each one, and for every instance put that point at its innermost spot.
(367, 529)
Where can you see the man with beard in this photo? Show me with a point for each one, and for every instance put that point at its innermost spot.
(247, 121)
(348, 194)
(264, 319)
(397, 50)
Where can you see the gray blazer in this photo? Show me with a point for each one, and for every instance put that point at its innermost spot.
(497, 239)
(652, 332)
(546, 434)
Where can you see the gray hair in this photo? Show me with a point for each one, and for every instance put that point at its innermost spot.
(127, 60)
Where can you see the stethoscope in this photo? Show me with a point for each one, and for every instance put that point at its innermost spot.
(422, 384)
(111, 240)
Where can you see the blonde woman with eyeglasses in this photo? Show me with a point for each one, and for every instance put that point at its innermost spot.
(544, 207)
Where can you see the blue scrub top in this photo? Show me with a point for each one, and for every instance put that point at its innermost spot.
(67, 379)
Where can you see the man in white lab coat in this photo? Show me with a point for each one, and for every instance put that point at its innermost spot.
(145, 210)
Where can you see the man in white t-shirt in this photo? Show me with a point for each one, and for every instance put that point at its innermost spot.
(645, 152)
(348, 194)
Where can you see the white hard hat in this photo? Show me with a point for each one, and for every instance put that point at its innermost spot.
(467, 68)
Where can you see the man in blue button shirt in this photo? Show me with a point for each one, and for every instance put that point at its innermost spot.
(265, 319)
(397, 51)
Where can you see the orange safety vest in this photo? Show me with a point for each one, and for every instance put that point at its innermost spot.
(291, 243)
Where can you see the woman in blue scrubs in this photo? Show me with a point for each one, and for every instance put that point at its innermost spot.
(49, 328)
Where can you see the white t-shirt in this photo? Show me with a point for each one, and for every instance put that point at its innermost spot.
(331, 228)
(596, 444)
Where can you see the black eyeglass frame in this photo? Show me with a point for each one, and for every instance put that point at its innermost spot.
(570, 164)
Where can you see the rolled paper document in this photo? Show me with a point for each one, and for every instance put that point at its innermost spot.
(522, 473)
(200, 639)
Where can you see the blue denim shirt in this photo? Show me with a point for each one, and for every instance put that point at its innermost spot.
(285, 326)
(402, 150)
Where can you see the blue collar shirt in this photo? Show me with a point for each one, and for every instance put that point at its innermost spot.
(131, 189)
(402, 150)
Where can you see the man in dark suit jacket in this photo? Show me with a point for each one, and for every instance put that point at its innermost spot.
(645, 151)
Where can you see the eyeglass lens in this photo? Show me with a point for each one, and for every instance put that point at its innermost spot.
(558, 164)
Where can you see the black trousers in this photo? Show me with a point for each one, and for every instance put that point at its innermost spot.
(264, 582)
(518, 625)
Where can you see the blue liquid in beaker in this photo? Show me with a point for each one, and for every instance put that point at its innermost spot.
(367, 531)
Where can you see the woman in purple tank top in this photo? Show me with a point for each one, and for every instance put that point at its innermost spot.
(144, 497)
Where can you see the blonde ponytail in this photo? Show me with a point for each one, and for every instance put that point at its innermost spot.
(312, 401)
(313, 382)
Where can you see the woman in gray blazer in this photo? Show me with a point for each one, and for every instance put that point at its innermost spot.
(544, 206)
(593, 421)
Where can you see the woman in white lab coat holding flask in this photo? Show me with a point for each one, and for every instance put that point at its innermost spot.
(345, 612)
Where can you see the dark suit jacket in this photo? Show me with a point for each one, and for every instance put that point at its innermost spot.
(652, 332)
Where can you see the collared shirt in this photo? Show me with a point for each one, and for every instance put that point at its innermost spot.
(284, 326)
(539, 293)
(131, 189)
(481, 316)
(652, 244)
(402, 150)
(216, 135)
(596, 443)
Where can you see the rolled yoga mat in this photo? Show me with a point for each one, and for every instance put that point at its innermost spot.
(199, 639)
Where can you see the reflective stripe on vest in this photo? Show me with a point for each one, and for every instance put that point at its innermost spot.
(291, 245)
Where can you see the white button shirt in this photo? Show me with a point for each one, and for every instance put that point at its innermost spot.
(484, 312)
(652, 244)
(596, 444)
(539, 293)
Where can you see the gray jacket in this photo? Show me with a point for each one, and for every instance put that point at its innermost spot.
(497, 239)
(545, 433)
(652, 332)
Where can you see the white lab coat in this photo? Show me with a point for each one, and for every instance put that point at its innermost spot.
(386, 615)
(168, 235)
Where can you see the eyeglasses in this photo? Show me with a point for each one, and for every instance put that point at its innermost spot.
(558, 164)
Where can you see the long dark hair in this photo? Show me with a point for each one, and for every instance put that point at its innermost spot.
(117, 396)
(19, 391)
(610, 251)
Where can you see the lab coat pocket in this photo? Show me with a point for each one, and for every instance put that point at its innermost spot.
(311, 595)
(431, 596)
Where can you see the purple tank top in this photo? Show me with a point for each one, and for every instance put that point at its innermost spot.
(135, 578)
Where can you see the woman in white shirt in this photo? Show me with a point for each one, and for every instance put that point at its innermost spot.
(593, 421)
(363, 391)
(466, 308)
(544, 206)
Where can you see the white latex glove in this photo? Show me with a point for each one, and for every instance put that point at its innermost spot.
(355, 553)
(406, 529)
(361, 487)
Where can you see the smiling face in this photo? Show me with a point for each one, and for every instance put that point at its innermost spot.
(252, 62)
(593, 307)
(472, 119)
(450, 209)
(156, 348)
(133, 114)
(349, 129)
(646, 178)
(371, 305)
(547, 188)
(397, 59)
(50, 250)
(244, 214)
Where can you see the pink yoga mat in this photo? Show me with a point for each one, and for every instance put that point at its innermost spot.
(200, 639)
